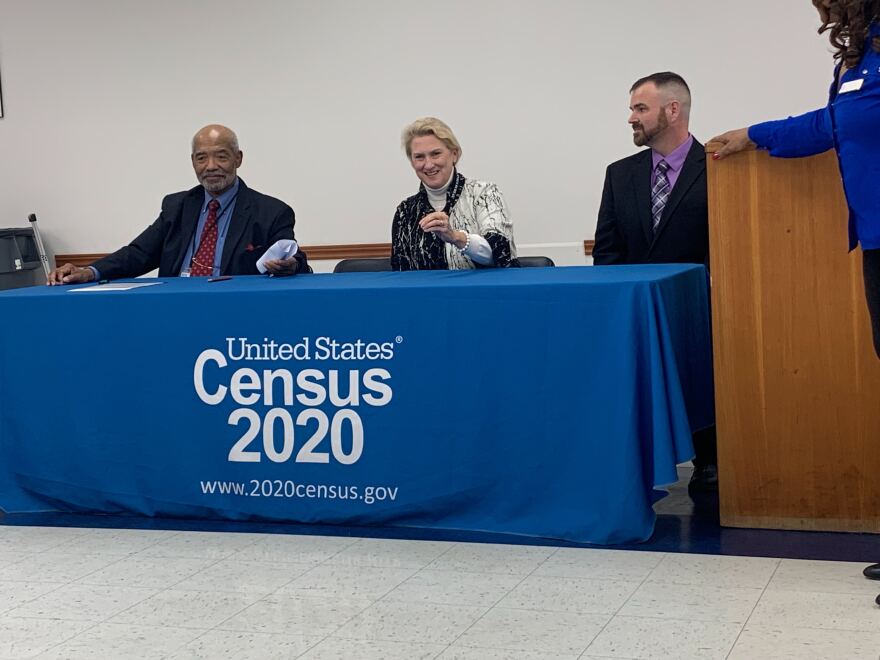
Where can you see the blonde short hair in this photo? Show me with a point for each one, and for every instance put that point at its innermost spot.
(429, 126)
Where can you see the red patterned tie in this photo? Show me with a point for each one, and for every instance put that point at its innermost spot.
(203, 259)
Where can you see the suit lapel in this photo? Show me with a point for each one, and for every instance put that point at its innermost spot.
(241, 219)
(694, 165)
(641, 182)
(189, 220)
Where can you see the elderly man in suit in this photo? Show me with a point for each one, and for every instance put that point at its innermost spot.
(654, 205)
(220, 227)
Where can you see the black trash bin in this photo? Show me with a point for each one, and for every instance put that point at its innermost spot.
(19, 259)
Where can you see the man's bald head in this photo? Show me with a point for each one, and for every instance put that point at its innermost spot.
(216, 157)
(216, 133)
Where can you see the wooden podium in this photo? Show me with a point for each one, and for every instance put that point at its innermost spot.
(797, 384)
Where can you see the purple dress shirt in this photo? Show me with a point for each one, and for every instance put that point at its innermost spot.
(675, 160)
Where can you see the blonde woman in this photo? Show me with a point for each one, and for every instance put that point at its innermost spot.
(451, 223)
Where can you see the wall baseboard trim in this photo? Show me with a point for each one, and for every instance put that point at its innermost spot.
(315, 253)
(80, 260)
(351, 251)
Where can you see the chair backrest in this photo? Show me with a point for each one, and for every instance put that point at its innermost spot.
(384, 263)
(363, 265)
(535, 262)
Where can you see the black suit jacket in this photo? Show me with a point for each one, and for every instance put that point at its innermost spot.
(624, 233)
(257, 222)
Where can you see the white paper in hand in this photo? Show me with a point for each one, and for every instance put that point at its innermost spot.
(283, 249)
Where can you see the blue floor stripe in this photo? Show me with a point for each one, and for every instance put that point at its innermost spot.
(683, 525)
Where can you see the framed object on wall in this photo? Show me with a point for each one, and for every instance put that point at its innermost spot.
(1, 99)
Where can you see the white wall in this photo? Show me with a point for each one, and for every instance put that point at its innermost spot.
(102, 96)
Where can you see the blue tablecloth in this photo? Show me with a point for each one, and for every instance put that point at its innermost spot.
(544, 402)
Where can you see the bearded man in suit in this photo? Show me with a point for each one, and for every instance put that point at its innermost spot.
(654, 205)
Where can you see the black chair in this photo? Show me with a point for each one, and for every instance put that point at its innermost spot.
(363, 265)
(535, 262)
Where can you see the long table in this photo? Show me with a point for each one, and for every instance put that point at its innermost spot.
(546, 402)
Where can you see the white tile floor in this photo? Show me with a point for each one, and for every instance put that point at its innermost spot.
(93, 593)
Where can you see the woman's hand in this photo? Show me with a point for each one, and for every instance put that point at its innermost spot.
(733, 142)
(438, 223)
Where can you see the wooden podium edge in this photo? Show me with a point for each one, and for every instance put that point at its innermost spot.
(803, 524)
(712, 147)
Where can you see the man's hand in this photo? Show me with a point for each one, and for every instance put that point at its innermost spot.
(279, 267)
(733, 142)
(70, 274)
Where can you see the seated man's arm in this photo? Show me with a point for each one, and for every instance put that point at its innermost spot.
(138, 257)
(282, 228)
(609, 247)
(144, 253)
